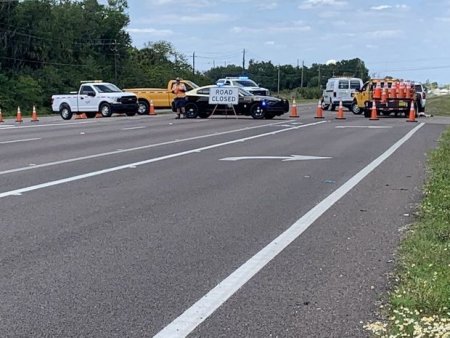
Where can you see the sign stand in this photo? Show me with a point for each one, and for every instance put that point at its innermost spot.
(234, 111)
(224, 95)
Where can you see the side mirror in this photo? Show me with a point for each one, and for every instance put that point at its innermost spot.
(92, 94)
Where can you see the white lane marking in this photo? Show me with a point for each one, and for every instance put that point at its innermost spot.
(205, 306)
(282, 158)
(118, 151)
(22, 140)
(368, 127)
(69, 124)
(135, 164)
(132, 128)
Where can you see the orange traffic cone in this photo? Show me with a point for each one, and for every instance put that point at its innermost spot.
(152, 108)
(34, 117)
(1, 116)
(19, 115)
(374, 114)
(294, 112)
(340, 113)
(319, 111)
(412, 113)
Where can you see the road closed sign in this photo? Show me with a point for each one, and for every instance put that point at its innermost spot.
(224, 95)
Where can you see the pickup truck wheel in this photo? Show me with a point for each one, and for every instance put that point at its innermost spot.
(143, 107)
(324, 105)
(65, 112)
(257, 112)
(105, 110)
(332, 107)
(191, 111)
(356, 109)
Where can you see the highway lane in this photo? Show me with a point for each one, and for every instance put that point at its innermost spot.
(124, 253)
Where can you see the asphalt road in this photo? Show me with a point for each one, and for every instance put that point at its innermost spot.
(146, 225)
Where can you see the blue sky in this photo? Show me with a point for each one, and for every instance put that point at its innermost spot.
(405, 39)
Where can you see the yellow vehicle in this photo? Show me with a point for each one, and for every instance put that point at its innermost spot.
(161, 97)
(389, 95)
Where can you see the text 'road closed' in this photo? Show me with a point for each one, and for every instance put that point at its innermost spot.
(224, 95)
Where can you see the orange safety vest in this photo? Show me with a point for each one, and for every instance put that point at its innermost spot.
(179, 90)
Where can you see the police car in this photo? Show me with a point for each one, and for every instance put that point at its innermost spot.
(244, 82)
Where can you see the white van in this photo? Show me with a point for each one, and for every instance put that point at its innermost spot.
(340, 89)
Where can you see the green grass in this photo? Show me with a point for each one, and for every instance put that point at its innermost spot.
(438, 105)
(420, 302)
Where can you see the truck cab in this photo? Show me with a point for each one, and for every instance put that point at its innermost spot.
(93, 97)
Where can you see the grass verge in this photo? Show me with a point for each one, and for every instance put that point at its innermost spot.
(420, 302)
(438, 105)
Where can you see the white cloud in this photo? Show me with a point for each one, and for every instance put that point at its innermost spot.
(384, 7)
(294, 27)
(381, 7)
(381, 34)
(308, 4)
(268, 6)
(151, 31)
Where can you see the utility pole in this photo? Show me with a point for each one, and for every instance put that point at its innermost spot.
(115, 60)
(278, 79)
(319, 77)
(243, 61)
(193, 63)
(301, 82)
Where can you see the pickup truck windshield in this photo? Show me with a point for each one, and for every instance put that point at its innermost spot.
(107, 88)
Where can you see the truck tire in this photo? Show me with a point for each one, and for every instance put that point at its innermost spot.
(257, 112)
(356, 109)
(65, 112)
(143, 107)
(366, 112)
(105, 109)
(191, 111)
(324, 105)
(332, 106)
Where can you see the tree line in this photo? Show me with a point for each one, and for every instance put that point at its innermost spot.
(48, 46)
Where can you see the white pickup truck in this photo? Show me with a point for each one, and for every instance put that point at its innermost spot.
(94, 97)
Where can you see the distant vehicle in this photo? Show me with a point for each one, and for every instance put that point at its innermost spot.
(161, 97)
(244, 82)
(421, 95)
(391, 96)
(258, 107)
(94, 97)
(340, 89)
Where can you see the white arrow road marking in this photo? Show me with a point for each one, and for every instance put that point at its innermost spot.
(283, 158)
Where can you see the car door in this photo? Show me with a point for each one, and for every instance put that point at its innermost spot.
(86, 99)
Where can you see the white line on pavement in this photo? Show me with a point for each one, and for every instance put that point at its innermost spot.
(132, 128)
(118, 151)
(205, 306)
(22, 140)
(135, 164)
